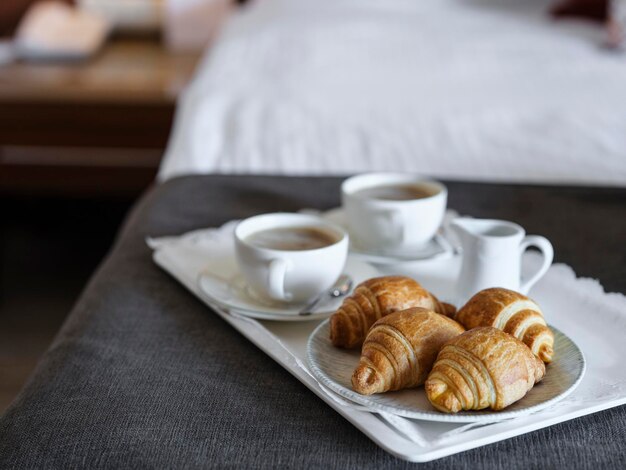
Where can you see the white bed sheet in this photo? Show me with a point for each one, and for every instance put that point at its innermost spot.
(460, 89)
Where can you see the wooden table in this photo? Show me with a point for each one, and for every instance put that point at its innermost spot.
(84, 127)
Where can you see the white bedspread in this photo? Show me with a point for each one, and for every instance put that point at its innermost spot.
(460, 89)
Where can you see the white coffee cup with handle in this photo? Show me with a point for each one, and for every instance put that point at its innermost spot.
(380, 222)
(290, 257)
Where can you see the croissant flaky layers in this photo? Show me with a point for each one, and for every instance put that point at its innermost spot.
(482, 368)
(372, 300)
(513, 313)
(400, 349)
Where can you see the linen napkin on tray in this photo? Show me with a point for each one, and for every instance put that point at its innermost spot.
(579, 307)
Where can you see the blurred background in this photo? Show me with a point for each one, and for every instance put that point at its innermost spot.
(88, 90)
(87, 96)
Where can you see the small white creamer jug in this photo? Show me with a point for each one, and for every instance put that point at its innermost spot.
(492, 255)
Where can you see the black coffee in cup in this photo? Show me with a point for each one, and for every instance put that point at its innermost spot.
(292, 238)
(395, 192)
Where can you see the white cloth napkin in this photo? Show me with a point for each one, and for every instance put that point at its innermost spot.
(579, 307)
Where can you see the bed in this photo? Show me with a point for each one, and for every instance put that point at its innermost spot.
(144, 375)
(487, 90)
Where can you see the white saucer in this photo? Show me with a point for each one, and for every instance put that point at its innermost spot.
(229, 291)
(436, 248)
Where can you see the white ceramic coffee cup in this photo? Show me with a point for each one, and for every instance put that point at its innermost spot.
(392, 226)
(289, 275)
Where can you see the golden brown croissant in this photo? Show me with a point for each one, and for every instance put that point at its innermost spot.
(375, 298)
(482, 368)
(513, 313)
(400, 349)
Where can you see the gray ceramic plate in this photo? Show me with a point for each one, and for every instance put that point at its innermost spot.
(333, 368)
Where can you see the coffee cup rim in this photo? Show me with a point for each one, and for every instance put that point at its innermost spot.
(379, 179)
(342, 234)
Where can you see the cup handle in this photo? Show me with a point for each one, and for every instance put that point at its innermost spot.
(547, 251)
(396, 223)
(276, 280)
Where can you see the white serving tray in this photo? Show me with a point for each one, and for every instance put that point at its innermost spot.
(594, 320)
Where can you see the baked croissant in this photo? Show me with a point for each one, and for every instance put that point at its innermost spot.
(375, 298)
(482, 368)
(400, 349)
(513, 313)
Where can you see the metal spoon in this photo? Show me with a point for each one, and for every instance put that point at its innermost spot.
(339, 289)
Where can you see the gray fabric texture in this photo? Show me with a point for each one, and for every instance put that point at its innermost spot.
(144, 375)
